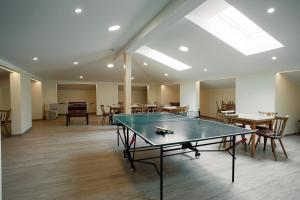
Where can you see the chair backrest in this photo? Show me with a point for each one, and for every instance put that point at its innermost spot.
(230, 119)
(267, 114)
(278, 125)
(102, 109)
(4, 116)
(218, 107)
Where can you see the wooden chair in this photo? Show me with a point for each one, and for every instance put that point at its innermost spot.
(218, 110)
(265, 114)
(105, 115)
(277, 133)
(4, 117)
(183, 110)
(231, 120)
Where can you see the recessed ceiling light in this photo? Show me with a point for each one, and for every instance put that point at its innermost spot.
(232, 27)
(114, 28)
(78, 10)
(75, 63)
(271, 10)
(205, 70)
(183, 48)
(81, 77)
(132, 78)
(110, 65)
(35, 59)
(146, 64)
(162, 58)
(274, 58)
(166, 74)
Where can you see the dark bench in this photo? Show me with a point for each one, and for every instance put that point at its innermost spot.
(77, 109)
(74, 114)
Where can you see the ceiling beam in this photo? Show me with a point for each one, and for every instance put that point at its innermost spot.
(171, 13)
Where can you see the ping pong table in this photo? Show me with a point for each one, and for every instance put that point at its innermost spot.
(186, 133)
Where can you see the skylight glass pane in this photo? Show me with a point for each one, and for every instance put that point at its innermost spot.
(240, 21)
(232, 27)
(162, 58)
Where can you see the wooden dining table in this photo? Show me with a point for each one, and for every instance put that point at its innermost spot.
(173, 109)
(253, 121)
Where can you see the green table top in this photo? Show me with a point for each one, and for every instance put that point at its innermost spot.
(185, 129)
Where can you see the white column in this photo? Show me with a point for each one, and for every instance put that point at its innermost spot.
(127, 83)
(20, 95)
(37, 100)
(190, 94)
(15, 96)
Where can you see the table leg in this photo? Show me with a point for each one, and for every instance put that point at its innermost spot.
(161, 173)
(233, 157)
(253, 137)
(67, 120)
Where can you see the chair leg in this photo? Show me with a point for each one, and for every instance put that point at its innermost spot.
(265, 142)
(283, 148)
(273, 149)
(257, 141)
(221, 144)
(244, 142)
(103, 119)
(8, 134)
(225, 141)
(250, 141)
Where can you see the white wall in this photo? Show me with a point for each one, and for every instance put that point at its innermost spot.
(5, 93)
(138, 95)
(64, 96)
(190, 94)
(37, 100)
(209, 97)
(288, 102)
(255, 93)
(0, 168)
(20, 87)
(154, 94)
(170, 93)
(106, 94)
(49, 91)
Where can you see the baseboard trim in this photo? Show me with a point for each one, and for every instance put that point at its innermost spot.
(290, 134)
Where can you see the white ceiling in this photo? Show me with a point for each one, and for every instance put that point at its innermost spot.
(52, 32)
(221, 60)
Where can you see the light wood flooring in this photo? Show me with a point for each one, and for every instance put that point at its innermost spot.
(53, 161)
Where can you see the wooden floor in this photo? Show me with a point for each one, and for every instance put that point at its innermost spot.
(53, 161)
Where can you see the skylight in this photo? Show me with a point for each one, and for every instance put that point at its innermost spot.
(162, 58)
(232, 27)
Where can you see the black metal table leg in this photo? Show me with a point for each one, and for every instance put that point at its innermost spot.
(67, 120)
(233, 157)
(161, 173)
(118, 135)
